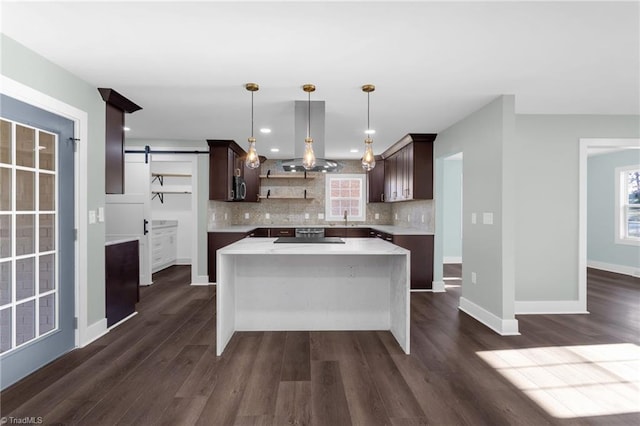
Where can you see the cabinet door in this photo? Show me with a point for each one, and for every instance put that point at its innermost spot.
(252, 180)
(390, 192)
(358, 232)
(408, 172)
(220, 173)
(335, 232)
(401, 175)
(421, 247)
(376, 183)
(217, 240)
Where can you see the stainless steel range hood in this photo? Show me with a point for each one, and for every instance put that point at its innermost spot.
(317, 133)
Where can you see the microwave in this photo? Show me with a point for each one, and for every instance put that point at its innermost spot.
(239, 188)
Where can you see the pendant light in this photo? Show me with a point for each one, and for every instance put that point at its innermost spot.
(253, 160)
(368, 159)
(308, 158)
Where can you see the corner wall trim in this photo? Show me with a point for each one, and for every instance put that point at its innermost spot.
(201, 280)
(504, 327)
(438, 286)
(94, 331)
(547, 307)
(612, 267)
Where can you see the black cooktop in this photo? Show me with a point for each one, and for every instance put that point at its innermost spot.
(309, 240)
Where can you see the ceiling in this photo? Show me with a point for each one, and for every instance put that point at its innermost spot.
(433, 63)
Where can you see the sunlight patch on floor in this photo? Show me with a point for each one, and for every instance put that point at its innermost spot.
(574, 381)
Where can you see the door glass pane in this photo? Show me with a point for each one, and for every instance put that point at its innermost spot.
(25, 190)
(5, 142)
(47, 149)
(47, 232)
(25, 322)
(5, 189)
(5, 330)
(25, 146)
(25, 234)
(25, 278)
(47, 272)
(5, 235)
(47, 313)
(5, 283)
(47, 192)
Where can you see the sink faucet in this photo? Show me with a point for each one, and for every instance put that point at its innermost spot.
(345, 218)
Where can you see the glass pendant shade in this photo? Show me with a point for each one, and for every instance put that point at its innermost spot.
(253, 160)
(368, 159)
(309, 157)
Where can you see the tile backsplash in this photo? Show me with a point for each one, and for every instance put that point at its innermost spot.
(306, 212)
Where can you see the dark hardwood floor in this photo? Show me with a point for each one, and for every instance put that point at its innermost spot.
(160, 368)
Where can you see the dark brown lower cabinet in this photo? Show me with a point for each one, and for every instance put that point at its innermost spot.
(217, 240)
(122, 280)
(421, 247)
(282, 232)
(347, 232)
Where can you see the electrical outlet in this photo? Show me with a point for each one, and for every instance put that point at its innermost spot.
(422, 218)
(474, 218)
(100, 214)
(376, 216)
(396, 216)
(306, 215)
(92, 216)
(267, 216)
(474, 278)
(225, 216)
(246, 215)
(408, 218)
(213, 217)
(320, 215)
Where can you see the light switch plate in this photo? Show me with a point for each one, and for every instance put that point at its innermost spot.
(474, 278)
(246, 215)
(306, 215)
(100, 214)
(92, 217)
(267, 216)
(487, 218)
(473, 218)
(376, 216)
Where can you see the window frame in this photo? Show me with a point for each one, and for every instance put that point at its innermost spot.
(362, 217)
(622, 206)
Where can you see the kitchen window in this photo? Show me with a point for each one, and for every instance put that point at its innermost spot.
(345, 193)
(628, 205)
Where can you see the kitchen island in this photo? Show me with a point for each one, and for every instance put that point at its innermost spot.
(362, 284)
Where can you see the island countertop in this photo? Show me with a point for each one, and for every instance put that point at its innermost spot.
(351, 246)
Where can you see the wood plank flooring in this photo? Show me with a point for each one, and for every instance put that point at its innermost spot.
(160, 368)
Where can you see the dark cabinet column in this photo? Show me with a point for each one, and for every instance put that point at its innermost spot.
(117, 105)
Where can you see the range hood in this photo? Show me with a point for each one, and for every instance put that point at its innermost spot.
(317, 133)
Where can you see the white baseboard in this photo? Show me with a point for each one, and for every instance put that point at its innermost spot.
(452, 259)
(201, 280)
(611, 267)
(546, 307)
(183, 261)
(504, 327)
(438, 286)
(123, 320)
(94, 332)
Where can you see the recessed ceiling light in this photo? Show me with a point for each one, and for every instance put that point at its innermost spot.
(353, 150)
(265, 130)
(275, 149)
(370, 132)
(126, 129)
(324, 171)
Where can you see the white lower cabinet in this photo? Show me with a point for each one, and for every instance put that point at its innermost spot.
(164, 247)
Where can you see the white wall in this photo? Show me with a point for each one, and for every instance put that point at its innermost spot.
(486, 140)
(547, 202)
(452, 209)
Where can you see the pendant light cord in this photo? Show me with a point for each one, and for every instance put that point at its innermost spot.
(368, 123)
(252, 114)
(309, 115)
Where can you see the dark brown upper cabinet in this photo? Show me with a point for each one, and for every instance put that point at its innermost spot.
(116, 106)
(226, 160)
(375, 180)
(408, 168)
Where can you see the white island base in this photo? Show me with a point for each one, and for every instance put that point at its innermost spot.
(360, 285)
